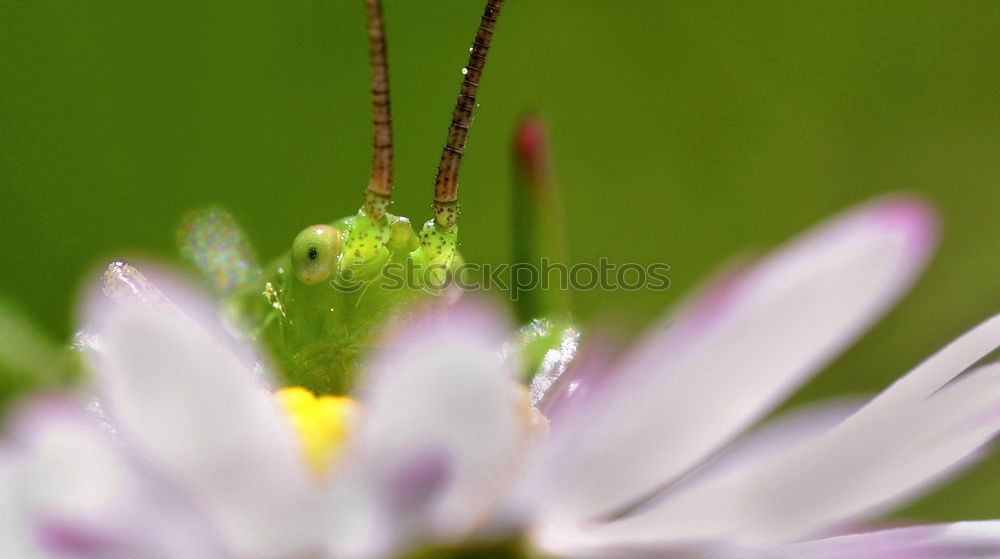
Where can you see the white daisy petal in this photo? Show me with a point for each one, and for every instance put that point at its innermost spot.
(16, 538)
(178, 394)
(786, 431)
(440, 388)
(780, 434)
(935, 541)
(876, 458)
(696, 549)
(976, 539)
(78, 493)
(374, 512)
(941, 367)
(734, 354)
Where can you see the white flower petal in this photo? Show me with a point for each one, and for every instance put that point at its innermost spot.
(77, 493)
(440, 388)
(734, 354)
(940, 368)
(893, 448)
(935, 541)
(700, 549)
(780, 434)
(377, 513)
(356, 521)
(786, 431)
(16, 538)
(976, 539)
(179, 394)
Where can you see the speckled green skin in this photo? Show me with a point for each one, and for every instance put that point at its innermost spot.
(315, 333)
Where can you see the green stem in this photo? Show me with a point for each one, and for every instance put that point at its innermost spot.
(539, 230)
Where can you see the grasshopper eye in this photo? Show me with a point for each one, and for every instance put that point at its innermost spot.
(314, 253)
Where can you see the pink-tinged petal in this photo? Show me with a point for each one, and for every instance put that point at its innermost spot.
(592, 378)
(732, 354)
(935, 541)
(181, 391)
(78, 493)
(894, 448)
(376, 512)
(584, 379)
(439, 390)
(784, 432)
(940, 368)
(149, 285)
(691, 549)
(778, 435)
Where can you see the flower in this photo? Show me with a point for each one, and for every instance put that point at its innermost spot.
(645, 456)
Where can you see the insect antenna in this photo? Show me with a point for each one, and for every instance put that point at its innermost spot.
(446, 185)
(377, 195)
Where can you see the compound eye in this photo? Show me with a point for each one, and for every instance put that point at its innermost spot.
(314, 253)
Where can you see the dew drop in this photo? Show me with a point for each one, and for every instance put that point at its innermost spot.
(465, 71)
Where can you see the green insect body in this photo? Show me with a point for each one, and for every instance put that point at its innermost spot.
(318, 307)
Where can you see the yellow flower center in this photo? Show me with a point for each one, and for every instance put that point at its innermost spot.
(322, 423)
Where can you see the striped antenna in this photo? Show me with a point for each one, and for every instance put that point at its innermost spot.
(377, 196)
(446, 186)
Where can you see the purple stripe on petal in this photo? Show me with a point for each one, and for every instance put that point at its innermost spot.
(70, 538)
(417, 481)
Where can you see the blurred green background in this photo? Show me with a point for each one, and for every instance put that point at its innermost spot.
(681, 133)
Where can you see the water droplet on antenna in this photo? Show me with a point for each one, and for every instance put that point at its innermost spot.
(465, 71)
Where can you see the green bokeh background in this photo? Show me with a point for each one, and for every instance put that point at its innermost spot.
(682, 133)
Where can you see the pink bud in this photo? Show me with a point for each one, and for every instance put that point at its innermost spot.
(531, 150)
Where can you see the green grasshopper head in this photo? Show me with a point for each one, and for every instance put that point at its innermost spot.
(319, 306)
